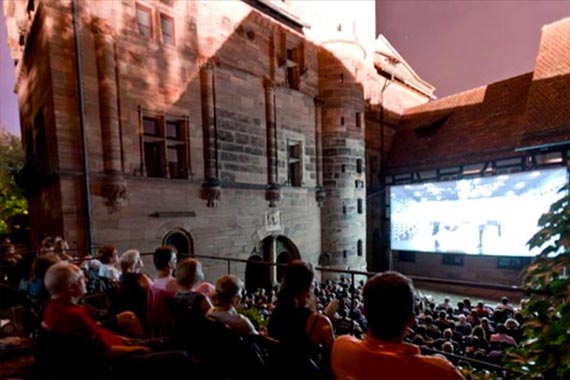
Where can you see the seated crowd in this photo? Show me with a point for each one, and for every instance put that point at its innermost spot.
(176, 324)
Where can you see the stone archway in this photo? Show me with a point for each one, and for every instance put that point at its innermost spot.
(272, 249)
(182, 241)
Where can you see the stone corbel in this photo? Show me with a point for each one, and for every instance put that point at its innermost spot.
(114, 190)
(211, 191)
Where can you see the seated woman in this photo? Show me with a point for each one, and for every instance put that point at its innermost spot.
(228, 294)
(34, 286)
(302, 331)
(134, 285)
(188, 274)
(164, 259)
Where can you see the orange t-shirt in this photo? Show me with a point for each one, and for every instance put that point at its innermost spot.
(370, 358)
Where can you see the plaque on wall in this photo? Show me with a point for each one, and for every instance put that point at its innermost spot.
(272, 220)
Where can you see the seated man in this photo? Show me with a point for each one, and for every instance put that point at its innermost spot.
(382, 354)
(66, 284)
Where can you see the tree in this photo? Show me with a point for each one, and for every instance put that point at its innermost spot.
(545, 352)
(13, 204)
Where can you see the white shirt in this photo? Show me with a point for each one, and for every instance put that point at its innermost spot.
(233, 320)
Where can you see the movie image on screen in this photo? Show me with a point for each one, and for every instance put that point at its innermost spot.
(483, 216)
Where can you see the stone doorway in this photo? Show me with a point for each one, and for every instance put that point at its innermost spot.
(272, 249)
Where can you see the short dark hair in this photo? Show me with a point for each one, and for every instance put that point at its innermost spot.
(162, 256)
(388, 304)
(105, 253)
(297, 279)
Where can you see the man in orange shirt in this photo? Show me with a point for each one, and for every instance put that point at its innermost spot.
(382, 354)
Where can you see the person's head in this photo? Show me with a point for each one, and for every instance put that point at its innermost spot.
(480, 305)
(485, 322)
(189, 273)
(447, 334)
(65, 280)
(388, 304)
(460, 306)
(60, 246)
(447, 347)
(501, 329)
(297, 281)
(441, 315)
(41, 264)
(131, 261)
(107, 254)
(479, 332)
(511, 324)
(164, 257)
(228, 289)
(504, 300)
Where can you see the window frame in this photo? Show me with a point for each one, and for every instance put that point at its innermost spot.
(165, 144)
(297, 161)
(166, 16)
(149, 12)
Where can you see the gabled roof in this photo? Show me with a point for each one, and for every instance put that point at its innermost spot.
(387, 60)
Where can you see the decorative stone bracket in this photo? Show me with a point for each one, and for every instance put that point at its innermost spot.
(114, 190)
(211, 191)
(273, 194)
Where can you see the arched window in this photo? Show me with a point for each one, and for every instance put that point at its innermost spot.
(182, 241)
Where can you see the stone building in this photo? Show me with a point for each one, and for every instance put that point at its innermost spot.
(226, 128)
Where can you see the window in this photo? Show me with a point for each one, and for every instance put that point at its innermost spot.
(342, 120)
(359, 205)
(344, 254)
(167, 29)
(359, 166)
(144, 21)
(358, 120)
(165, 144)
(359, 248)
(294, 163)
(294, 65)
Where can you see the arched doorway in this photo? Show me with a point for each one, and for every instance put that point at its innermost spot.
(272, 249)
(182, 241)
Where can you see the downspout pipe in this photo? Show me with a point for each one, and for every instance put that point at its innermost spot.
(381, 174)
(81, 103)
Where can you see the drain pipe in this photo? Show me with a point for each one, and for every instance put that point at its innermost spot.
(84, 152)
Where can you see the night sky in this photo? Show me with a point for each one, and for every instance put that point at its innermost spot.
(454, 45)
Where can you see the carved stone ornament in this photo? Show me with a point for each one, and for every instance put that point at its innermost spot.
(273, 194)
(320, 196)
(211, 191)
(115, 192)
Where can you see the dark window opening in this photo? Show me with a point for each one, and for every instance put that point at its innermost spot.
(358, 120)
(359, 204)
(359, 166)
(152, 159)
(294, 162)
(342, 120)
(343, 168)
(294, 66)
(344, 254)
(359, 248)
(150, 126)
(344, 209)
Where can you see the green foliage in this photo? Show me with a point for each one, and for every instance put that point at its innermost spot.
(545, 351)
(12, 201)
(255, 317)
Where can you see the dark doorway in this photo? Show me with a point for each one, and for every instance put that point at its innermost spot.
(256, 274)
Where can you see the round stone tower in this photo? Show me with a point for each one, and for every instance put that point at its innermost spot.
(343, 214)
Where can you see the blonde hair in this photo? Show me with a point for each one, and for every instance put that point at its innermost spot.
(189, 272)
(228, 287)
(129, 260)
(60, 275)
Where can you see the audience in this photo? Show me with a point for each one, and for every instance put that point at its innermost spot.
(382, 354)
